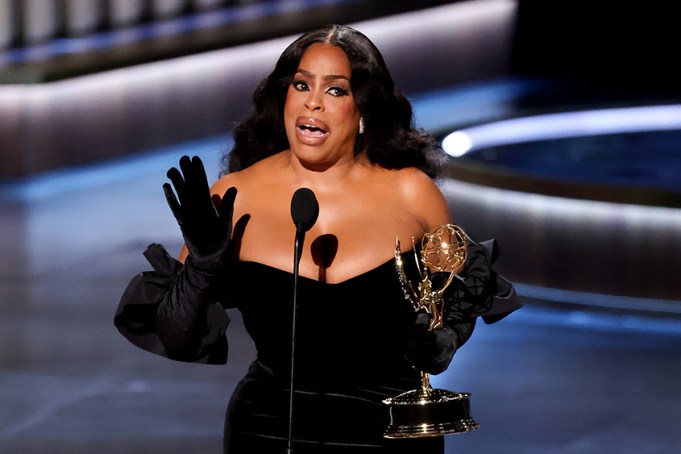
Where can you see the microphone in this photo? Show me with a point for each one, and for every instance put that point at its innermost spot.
(304, 212)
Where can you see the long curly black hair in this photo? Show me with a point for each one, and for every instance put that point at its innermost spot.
(389, 139)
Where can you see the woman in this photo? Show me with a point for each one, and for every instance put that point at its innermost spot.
(328, 118)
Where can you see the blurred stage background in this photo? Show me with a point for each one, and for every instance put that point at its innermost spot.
(562, 120)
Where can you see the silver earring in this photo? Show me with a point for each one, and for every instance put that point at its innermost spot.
(361, 125)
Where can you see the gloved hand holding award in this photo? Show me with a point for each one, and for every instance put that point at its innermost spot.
(428, 411)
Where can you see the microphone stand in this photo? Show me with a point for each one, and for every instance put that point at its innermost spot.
(298, 246)
(304, 212)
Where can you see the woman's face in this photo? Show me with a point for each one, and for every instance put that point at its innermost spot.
(320, 115)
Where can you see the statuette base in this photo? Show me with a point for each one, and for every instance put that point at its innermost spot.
(429, 412)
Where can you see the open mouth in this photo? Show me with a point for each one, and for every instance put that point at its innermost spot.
(311, 130)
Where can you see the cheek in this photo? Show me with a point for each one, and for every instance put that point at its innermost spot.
(351, 115)
(347, 111)
(289, 104)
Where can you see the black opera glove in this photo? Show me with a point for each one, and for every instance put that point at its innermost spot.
(175, 311)
(205, 228)
(181, 312)
(432, 350)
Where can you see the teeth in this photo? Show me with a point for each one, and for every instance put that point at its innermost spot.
(310, 127)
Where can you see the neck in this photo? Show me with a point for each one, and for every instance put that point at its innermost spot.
(323, 175)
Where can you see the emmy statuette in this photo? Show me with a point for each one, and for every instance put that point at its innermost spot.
(429, 411)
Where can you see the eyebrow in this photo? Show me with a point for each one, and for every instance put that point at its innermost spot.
(329, 77)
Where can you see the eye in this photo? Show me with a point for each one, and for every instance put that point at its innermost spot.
(337, 91)
(300, 85)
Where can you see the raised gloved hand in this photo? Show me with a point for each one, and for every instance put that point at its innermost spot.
(182, 320)
(432, 350)
(205, 228)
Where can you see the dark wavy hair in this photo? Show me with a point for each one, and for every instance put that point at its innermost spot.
(389, 139)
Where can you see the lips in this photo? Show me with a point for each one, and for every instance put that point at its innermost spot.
(311, 130)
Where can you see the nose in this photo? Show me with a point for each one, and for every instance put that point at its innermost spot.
(314, 101)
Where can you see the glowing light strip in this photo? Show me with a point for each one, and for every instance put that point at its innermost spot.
(560, 296)
(164, 27)
(562, 125)
(61, 181)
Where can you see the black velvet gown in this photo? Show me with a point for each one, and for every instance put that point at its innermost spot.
(349, 356)
(350, 343)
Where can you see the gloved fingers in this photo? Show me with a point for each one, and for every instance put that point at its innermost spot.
(422, 320)
(178, 182)
(432, 351)
(172, 201)
(197, 173)
(197, 186)
(191, 185)
(226, 210)
(190, 179)
(421, 336)
(186, 166)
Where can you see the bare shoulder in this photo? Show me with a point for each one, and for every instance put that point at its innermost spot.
(416, 182)
(223, 183)
(422, 194)
(255, 175)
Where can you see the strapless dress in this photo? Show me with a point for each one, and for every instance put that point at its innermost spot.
(349, 356)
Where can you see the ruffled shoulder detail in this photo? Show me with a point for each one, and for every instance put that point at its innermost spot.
(479, 291)
(136, 313)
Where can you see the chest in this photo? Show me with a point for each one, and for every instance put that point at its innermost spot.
(349, 237)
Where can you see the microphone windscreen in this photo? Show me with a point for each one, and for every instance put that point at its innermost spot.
(304, 209)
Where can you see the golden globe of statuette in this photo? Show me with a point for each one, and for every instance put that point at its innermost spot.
(427, 411)
(445, 249)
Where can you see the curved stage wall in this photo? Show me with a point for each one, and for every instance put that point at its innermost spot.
(586, 204)
(578, 251)
(130, 110)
